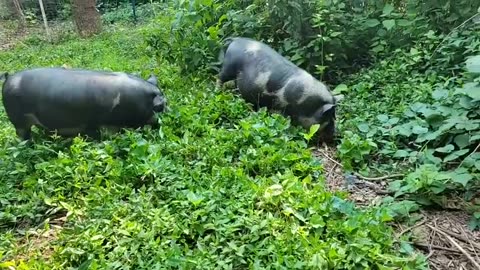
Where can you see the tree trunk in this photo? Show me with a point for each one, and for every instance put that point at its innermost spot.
(19, 13)
(86, 17)
(45, 23)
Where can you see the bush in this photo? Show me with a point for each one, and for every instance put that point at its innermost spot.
(327, 38)
(432, 131)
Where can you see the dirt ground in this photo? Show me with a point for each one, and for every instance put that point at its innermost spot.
(11, 34)
(442, 235)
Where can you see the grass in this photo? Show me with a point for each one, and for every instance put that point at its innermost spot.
(218, 186)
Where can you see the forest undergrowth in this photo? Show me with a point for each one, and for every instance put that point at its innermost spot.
(223, 186)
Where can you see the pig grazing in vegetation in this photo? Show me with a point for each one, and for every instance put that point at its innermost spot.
(73, 101)
(267, 79)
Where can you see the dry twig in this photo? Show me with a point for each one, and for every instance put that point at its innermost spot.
(364, 177)
(472, 260)
(430, 254)
(378, 178)
(412, 227)
(332, 160)
(470, 243)
(430, 246)
(461, 237)
(331, 170)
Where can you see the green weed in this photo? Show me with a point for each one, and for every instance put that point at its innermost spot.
(217, 186)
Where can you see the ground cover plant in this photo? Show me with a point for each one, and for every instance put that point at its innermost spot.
(222, 186)
(217, 186)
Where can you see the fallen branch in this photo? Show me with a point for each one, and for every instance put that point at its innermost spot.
(374, 187)
(451, 240)
(378, 178)
(331, 170)
(461, 237)
(332, 160)
(464, 234)
(429, 246)
(430, 254)
(412, 227)
(434, 266)
(474, 151)
(364, 177)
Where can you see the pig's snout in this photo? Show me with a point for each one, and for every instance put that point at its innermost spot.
(159, 104)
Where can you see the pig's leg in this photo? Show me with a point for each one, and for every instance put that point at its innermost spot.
(93, 132)
(153, 122)
(22, 126)
(24, 132)
(229, 71)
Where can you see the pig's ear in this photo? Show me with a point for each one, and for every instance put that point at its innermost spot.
(327, 111)
(152, 80)
(4, 76)
(327, 108)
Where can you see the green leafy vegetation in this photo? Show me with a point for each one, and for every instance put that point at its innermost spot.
(411, 99)
(222, 186)
(216, 186)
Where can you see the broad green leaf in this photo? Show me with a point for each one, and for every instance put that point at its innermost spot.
(473, 64)
(372, 22)
(438, 187)
(462, 178)
(317, 261)
(97, 237)
(419, 130)
(432, 135)
(468, 125)
(446, 149)
(335, 34)
(71, 250)
(418, 107)
(475, 138)
(378, 48)
(428, 155)
(7, 264)
(194, 198)
(474, 223)
(388, 24)
(462, 140)
(313, 129)
(445, 110)
(405, 130)
(440, 94)
(477, 164)
(455, 155)
(406, 247)
(341, 88)
(466, 102)
(363, 127)
(471, 89)
(85, 265)
(403, 22)
(430, 114)
(401, 153)
(382, 118)
(393, 121)
(387, 9)
(317, 221)
(273, 191)
(447, 126)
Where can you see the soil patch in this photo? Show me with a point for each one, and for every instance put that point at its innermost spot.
(442, 235)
